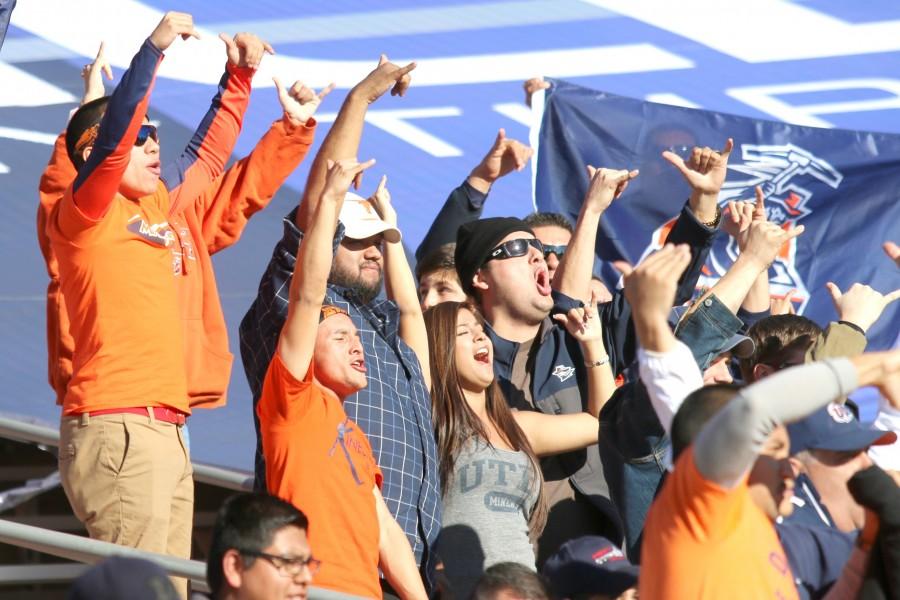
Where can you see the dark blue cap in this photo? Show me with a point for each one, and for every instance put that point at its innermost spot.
(834, 427)
(123, 577)
(590, 565)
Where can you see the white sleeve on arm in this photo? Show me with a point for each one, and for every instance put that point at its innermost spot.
(728, 444)
(669, 377)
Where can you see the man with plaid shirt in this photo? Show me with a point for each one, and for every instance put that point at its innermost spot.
(395, 408)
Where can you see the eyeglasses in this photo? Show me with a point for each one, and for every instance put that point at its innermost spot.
(559, 251)
(288, 566)
(146, 131)
(514, 248)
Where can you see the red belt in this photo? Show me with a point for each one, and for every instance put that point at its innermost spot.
(161, 413)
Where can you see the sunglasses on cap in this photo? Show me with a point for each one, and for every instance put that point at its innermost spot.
(146, 131)
(514, 248)
(559, 251)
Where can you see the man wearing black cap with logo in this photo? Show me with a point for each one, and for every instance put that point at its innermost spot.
(538, 366)
(593, 568)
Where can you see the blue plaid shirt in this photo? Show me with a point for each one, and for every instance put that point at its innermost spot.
(394, 409)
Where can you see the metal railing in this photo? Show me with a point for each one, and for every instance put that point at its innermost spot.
(86, 550)
(22, 431)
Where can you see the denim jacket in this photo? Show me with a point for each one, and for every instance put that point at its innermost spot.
(633, 443)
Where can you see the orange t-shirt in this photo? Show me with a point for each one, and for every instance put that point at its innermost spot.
(116, 276)
(702, 541)
(321, 462)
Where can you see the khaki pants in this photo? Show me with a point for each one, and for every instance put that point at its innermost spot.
(129, 480)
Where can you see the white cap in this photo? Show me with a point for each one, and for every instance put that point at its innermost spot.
(361, 220)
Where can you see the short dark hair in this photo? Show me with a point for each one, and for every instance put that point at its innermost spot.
(85, 117)
(776, 336)
(248, 522)
(439, 259)
(511, 576)
(548, 219)
(699, 407)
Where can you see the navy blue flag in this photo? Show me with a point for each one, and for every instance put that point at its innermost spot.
(844, 186)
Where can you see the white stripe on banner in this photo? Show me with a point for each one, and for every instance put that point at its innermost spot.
(201, 61)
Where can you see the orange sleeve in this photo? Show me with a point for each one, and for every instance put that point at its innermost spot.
(284, 398)
(705, 510)
(208, 150)
(98, 180)
(251, 183)
(57, 176)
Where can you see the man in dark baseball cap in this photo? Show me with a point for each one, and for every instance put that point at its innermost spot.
(829, 447)
(123, 577)
(478, 242)
(591, 567)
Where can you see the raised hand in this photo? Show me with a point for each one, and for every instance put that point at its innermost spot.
(300, 102)
(705, 169)
(386, 76)
(341, 174)
(605, 186)
(881, 369)
(505, 156)
(246, 49)
(92, 74)
(533, 85)
(650, 289)
(381, 200)
(764, 241)
(893, 252)
(740, 215)
(583, 324)
(860, 305)
(172, 25)
(783, 305)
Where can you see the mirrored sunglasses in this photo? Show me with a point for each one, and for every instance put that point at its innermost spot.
(146, 131)
(514, 248)
(559, 251)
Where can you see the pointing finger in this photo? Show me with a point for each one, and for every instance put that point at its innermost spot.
(760, 208)
(328, 89)
(729, 146)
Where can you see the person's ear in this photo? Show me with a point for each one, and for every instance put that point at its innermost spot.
(479, 281)
(233, 568)
(760, 370)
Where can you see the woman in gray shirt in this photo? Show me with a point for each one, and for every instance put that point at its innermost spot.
(490, 478)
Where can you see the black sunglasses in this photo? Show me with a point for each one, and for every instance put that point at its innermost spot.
(146, 131)
(559, 251)
(514, 248)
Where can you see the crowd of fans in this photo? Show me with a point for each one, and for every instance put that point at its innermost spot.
(496, 423)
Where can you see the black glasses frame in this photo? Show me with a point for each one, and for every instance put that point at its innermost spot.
(287, 566)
